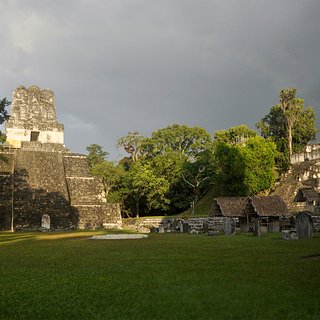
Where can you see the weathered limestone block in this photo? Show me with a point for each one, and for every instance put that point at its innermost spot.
(289, 235)
(111, 215)
(76, 165)
(316, 223)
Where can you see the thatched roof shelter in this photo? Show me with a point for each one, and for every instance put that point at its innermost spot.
(229, 206)
(269, 206)
(307, 195)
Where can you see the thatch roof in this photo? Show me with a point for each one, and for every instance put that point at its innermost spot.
(229, 206)
(269, 206)
(307, 194)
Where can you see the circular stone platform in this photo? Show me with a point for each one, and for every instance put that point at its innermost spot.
(119, 236)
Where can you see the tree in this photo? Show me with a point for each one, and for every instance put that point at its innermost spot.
(186, 141)
(145, 187)
(234, 134)
(290, 107)
(174, 153)
(110, 174)
(131, 143)
(149, 184)
(157, 177)
(290, 125)
(96, 154)
(259, 156)
(245, 169)
(4, 103)
(230, 170)
(199, 174)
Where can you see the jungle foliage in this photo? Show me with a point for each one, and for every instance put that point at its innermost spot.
(174, 167)
(4, 104)
(290, 125)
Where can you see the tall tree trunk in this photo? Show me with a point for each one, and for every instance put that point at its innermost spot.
(290, 138)
(137, 205)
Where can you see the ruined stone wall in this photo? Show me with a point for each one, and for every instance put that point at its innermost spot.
(112, 218)
(192, 225)
(198, 225)
(311, 152)
(38, 146)
(300, 175)
(316, 223)
(6, 188)
(87, 195)
(35, 183)
(40, 188)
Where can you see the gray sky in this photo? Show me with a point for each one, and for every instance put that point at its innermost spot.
(121, 65)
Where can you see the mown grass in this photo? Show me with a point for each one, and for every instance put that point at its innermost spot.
(167, 276)
(201, 208)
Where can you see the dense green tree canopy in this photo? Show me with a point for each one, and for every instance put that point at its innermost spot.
(96, 154)
(166, 170)
(177, 164)
(245, 169)
(4, 104)
(199, 173)
(259, 155)
(234, 134)
(184, 140)
(175, 152)
(230, 171)
(149, 184)
(132, 144)
(110, 174)
(290, 125)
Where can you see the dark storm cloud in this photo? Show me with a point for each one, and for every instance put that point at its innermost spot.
(116, 66)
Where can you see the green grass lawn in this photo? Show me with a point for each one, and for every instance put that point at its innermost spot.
(167, 276)
(201, 208)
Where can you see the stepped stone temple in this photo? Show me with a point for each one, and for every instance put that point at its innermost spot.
(42, 184)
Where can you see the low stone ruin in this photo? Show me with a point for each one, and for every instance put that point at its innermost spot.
(289, 235)
(303, 227)
(210, 225)
(214, 225)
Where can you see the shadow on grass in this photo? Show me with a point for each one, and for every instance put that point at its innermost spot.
(312, 257)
